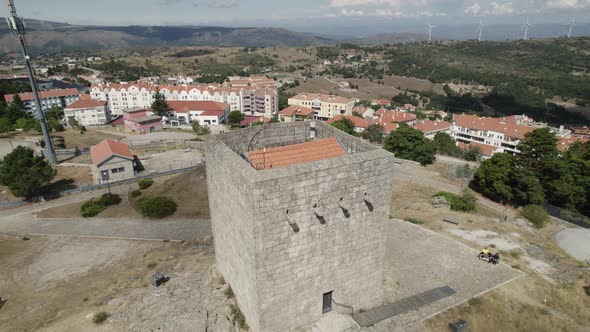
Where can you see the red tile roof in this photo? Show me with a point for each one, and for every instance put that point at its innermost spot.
(296, 154)
(218, 114)
(486, 150)
(44, 94)
(428, 126)
(387, 116)
(322, 97)
(86, 103)
(507, 127)
(186, 106)
(358, 122)
(296, 110)
(565, 143)
(107, 148)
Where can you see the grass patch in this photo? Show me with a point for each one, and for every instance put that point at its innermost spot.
(100, 317)
(229, 293)
(145, 183)
(476, 301)
(415, 221)
(238, 316)
(536, 215)
(221, 280)
(135, 193)
(467, 202)
(515, 254)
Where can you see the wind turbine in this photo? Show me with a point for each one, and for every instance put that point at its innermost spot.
(572, 25)
(430, 27)
(526, 27)
(480, 29)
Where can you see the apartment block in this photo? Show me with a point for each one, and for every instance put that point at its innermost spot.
(324, 106)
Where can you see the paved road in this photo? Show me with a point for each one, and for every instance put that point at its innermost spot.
(140, 229)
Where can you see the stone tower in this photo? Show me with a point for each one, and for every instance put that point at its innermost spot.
(298, 212)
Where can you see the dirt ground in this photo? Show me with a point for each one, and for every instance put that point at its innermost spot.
(74, 138)
(393, 85)
(57, 284)
(190, 193)
(551, 296)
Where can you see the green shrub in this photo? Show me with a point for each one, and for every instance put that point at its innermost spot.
(536, 215)
(156, 207)
(415, 221)
(109, 199)
(145, 183)
(91, 208)
(100, 317)
(464, 203)
(135, 193)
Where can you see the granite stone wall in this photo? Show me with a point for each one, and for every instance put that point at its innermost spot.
(279, 272)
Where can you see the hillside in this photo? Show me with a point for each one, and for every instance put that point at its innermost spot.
(58, 37)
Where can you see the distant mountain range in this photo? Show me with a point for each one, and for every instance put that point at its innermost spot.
(51, 37)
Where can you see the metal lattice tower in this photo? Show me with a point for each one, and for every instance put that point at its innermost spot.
(17, 25)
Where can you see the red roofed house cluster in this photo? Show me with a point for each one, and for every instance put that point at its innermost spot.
(57, 97)
(112, 161)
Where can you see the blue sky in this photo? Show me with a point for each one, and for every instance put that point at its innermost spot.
(300, 13)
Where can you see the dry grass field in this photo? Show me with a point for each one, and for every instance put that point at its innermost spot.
(189, 190)
(75, 138)
(549, 298)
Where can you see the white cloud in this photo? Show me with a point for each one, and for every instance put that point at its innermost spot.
(567, 4)
(474, 9)
(498, 9)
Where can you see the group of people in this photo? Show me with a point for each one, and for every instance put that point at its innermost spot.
(486, 255)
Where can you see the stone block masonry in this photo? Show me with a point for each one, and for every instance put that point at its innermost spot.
(279, 275)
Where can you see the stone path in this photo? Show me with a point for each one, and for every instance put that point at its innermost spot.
(402, 306)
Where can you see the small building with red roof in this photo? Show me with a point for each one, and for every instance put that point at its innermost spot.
(112, 161)
(296, 113)
(207, 113)
(88, 112)
(360, 124)
(140, 120)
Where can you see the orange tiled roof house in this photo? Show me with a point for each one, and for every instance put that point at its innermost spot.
(298, 212)
(112, 161)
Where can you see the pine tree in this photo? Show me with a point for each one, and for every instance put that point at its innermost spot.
(160, 106)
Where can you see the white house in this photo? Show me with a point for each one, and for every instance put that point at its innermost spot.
(209, 113)
(89, 112)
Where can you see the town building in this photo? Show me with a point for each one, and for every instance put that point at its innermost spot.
(112, 161)
(58, 97)
(360, 124)
(206, 113)
(384, 116)
(500, 134)
(298, 212)
(296, 113)
(430, 128)
(88, 112)
(250, 100)
(140, 120)
(252, 81)
(324, 106)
